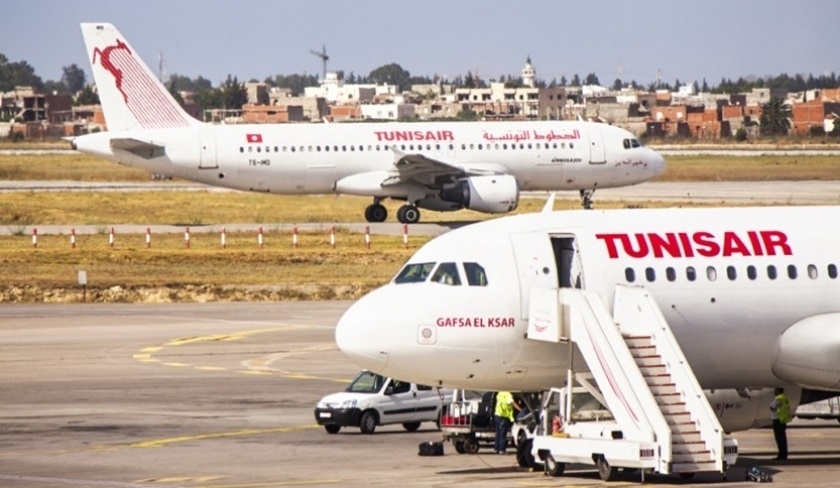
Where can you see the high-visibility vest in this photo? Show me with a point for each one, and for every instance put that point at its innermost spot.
(783, 412)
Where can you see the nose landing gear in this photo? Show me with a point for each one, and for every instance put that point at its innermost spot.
(586, 198)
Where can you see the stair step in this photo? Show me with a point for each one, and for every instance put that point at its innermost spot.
(670, 409)
(658, 380)
(638, 341)
(693, 467)
(683, 428)
(644, 361)
(665, 389)
(692, 448)
(683, 438)
(690, 458)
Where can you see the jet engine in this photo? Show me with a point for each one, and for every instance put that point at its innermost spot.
(488, 194)
(807, 352)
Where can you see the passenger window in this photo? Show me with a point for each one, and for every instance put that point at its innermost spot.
(650, 274)
(398, 386)
(476, 275)
(791, 269)
(690, 273)
(751, 272)
(414, 273)
(812, 271)
(731, 273)
(832, 271)
(241, 149)
(629, 275)
(423, 388)
(447, 274)
(711, 273)
(771, 272)
(670, 273)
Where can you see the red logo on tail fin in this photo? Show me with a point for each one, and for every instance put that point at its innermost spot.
(105, 61)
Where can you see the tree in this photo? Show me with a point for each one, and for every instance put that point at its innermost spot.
(775, 118)
(705, 88)
(592, 79)
(52, 86)
(73, 77)
(233, 94)
(392, 74)
(296, 82)
(19, 73)
(617, 85)
(87, 96)
(575, 80)
(563, 81)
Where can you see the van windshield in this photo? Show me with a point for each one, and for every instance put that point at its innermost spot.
(366, 382)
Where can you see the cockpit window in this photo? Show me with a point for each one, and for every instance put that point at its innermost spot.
(366, 382)
(414, 273)
(475, 274)
(636, 143)
(447, 273)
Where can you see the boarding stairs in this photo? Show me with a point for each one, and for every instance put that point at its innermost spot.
(640, 371)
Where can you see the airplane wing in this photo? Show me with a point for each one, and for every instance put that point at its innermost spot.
(144, 149)
(426, 171)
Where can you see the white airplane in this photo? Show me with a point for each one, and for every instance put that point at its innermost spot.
(752, 296)
(441, 166)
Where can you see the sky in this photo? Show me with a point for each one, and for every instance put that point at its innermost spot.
(630, 40)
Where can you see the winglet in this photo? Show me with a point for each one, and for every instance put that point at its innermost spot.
(131, 96)
(549, 204)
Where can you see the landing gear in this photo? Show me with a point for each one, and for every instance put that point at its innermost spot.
(408, 214)
(586, 198)
(376, 212)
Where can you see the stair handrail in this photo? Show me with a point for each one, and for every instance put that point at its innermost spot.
(636, 311)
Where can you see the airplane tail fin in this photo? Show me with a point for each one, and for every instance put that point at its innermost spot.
(131, 96)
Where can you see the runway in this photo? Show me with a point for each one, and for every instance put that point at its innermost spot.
(222, 396)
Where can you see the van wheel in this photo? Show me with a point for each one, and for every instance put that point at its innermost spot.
(368, 422)
(523, 454)
(332, 429)
(605, 471)
(411, 426)
(552, 467)
(471, 445)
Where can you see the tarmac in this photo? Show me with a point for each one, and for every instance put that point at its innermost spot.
(221, 395)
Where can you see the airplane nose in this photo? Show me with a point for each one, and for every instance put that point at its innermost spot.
(362, 333)
(658, 163)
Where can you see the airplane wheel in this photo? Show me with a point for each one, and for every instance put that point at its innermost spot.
(408, 214)
(376, 213)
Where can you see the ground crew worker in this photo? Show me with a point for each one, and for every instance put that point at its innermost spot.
(780, 414)
(504, 419)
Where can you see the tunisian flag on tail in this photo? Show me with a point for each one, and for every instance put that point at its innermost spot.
(254, 138)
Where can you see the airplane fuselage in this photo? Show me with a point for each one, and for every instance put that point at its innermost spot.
(752, 295)
(312, 158)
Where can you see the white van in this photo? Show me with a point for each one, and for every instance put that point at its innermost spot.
(373, 399)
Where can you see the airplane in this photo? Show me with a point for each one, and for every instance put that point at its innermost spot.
(440, 166)
(752, 296)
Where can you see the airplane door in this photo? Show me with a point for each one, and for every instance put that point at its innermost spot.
(569, 269)
(535, 264)
(208, 158)
(597, 152)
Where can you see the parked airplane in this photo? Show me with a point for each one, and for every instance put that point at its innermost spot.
(442, 166)
(752, 296)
